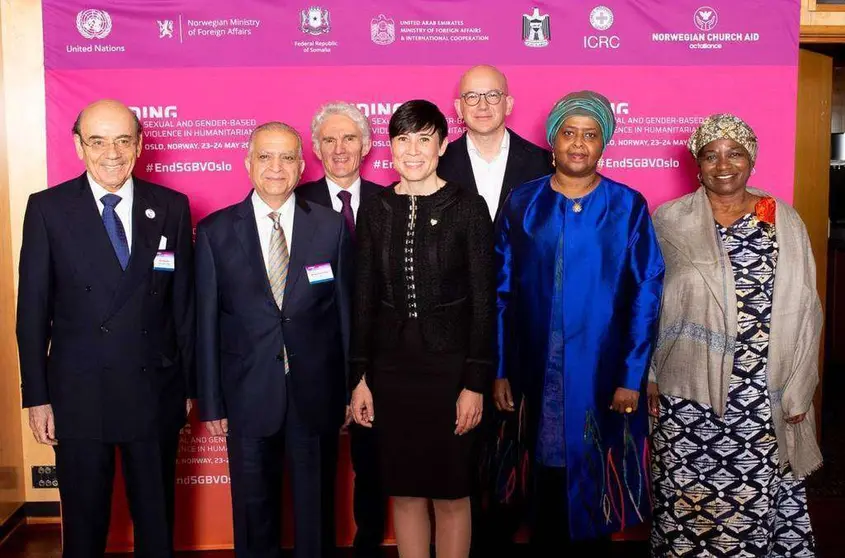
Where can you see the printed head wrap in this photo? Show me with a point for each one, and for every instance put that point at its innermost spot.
(724, 126)
(582, 103)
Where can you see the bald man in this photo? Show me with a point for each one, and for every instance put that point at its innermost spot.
(106, 333)
(490, 158)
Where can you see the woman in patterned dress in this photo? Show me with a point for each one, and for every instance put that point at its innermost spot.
(734, 434)
(423, 334)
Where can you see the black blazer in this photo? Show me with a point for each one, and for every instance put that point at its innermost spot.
(318, 191)
(526, 162)
(241, 330)
(110, 350)
(454, 280)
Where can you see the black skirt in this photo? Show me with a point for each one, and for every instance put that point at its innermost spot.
(415, 394)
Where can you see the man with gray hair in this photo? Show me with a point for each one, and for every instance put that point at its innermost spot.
(341, 139)
(340, 134)
(274, 279)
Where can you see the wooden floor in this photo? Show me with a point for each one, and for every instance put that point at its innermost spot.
(44, 541)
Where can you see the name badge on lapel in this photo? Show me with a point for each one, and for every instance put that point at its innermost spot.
(319, 273)
(164, 261)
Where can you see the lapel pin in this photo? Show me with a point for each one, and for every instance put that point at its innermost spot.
(433, 222)
(150, 214)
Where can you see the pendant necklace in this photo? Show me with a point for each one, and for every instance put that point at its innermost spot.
(577, 207)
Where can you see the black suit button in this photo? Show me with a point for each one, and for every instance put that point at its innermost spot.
(285, 320)
(143, 332)
(87, 288)
(104, 329)
(143, 369)
(153, 293)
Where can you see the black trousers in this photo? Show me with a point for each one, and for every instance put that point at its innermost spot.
(494, 524)
(368, 501)
(85, 469)
(551, 519)
(255, 466)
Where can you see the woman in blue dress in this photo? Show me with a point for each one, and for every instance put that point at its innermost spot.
(579, 283)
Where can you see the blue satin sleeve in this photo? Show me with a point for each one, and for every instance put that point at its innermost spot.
(504, 259)
(646, 270)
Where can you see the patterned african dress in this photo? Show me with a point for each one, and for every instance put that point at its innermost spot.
(718, 486)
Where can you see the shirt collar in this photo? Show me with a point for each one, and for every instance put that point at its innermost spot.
(126, 192)
(262, 210)
(334, 188)
(506, 143)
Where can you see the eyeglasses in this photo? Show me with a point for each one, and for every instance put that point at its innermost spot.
(99, 144)
(492, 97)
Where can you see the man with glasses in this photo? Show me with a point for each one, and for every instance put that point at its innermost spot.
(106, 334)
(492, 160)
(489, 157)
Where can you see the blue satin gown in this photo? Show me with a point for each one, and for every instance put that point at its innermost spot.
(578, 304)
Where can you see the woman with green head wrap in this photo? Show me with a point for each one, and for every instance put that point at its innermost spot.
(579, 283)
(736, 365)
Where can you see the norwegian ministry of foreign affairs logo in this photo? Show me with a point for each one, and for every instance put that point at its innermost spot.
(601, 18)
(314, 21)
(535, 29)
(165, 28)
(93, 24)
(382, 30)
(705, 18)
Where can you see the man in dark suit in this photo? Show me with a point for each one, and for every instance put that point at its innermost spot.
(490, 158)
(106, 333)
(273, 292)
(340, 135)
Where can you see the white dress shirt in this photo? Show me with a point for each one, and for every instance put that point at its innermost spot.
(354, 189)
(489, 176)
(122, 209)
(265, 223)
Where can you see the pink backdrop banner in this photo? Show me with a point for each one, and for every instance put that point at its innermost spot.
(202, 73)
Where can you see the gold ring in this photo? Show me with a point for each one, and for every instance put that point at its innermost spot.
(629, 410)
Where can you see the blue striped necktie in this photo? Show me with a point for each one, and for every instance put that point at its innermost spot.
(115, 230)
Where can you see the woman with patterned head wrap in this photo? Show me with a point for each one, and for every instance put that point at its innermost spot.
(579, 283)
(734, 430)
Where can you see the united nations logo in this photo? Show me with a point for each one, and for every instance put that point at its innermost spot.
(382, 30)
(314, 21)
(601, 18)
(535, 29)
(93, 24)
(705, 18)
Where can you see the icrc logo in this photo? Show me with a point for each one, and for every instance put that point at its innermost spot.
(93, 24)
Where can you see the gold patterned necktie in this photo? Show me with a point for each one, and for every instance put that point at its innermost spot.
(277, 264)
(277, 268)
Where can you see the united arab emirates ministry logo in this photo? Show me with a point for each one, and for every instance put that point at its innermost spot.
(93, 24)
(535, 29)
(382, 30)
(314, 21)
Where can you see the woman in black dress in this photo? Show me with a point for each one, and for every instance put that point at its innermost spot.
(423, 340)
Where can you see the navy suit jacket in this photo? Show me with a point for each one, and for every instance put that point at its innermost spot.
(241, 330)
(526, 162)
(318, 191)
(110, 350)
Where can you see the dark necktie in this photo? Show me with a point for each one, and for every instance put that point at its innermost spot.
(115, 230)
(346, 210)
